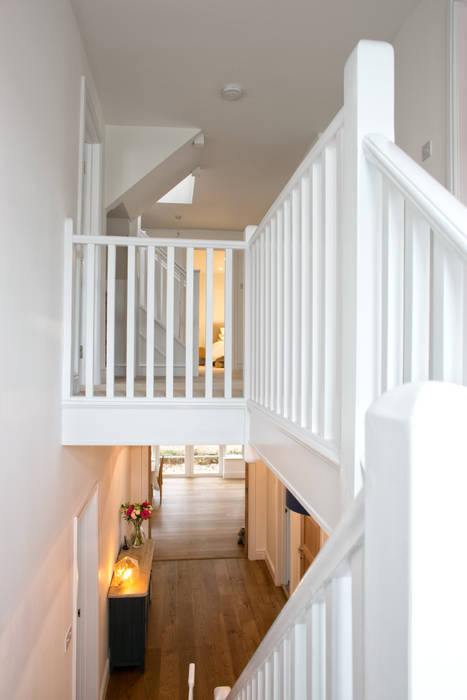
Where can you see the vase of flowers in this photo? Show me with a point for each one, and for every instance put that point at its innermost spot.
(136, 514)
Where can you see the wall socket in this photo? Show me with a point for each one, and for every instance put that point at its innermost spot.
(68, 639)
(427, 150)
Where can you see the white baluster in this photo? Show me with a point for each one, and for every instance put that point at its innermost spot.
(189, 324)
(278, 673)
(392, 341)
(273, 315)
(169, 327)
(268, 311)
(287, 354)
(258, 321)
(341, 661)
(330, 299)
(296, 308)
(110, 363)
(316, 634)
(305, 291)
(150, 292)
(280, 312)
(209, 305)
(89, 345)
(130, 324)
(262, 318)
(299, 661)
(317, 375)
(228, 296)
(447, 314)
(417, 297)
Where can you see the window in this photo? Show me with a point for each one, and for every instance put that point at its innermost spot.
(206, 459)
(233, 451)
(174, 462)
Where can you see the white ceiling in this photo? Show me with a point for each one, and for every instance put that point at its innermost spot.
(163, 62)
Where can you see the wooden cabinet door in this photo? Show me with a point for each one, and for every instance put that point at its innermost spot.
(312, 541)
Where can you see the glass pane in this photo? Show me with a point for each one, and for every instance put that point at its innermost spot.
(174, 462)
(206, 459)
(234, 450)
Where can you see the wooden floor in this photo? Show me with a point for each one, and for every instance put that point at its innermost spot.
(178, 386)
(213, 612)
(199, 518)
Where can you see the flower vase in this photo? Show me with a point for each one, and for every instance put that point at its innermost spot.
(137, 538)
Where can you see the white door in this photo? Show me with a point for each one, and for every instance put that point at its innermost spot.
(87, 563)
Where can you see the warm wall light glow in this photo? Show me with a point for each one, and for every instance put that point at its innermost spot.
(124, 570)
(181, 193)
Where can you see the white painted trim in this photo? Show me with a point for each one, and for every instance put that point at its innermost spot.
(158, 402)
(271, 568)
(326, 449)
(105, 680)
(94, 492)
(67, 309)
(443, 212)
(125, 241)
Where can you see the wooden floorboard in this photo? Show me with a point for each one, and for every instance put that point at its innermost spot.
(210, 612)
(199, 518)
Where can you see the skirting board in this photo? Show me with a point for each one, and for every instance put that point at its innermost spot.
(271, 567)
(105, 680)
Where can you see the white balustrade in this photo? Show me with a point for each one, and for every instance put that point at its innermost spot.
(293, 260)
(151, 319)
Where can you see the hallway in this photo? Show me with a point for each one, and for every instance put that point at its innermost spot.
(199, 518)
(213, 612)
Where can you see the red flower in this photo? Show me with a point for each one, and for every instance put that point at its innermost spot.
(128, 512)
(145, 504)
(145, 514)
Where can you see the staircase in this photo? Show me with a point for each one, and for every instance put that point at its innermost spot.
(357, 281)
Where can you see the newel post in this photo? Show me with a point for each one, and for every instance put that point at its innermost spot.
(368, 108)
(415, 544)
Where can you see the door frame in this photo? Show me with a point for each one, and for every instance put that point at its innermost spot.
(92, 503)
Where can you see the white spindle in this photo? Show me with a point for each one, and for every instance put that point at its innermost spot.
(209, 321)
(279, 341)
(268, 677)
(267, 321)
(228, 299)
(278, 673)
(249, 308)
(296, 308)
(305, 291)
(150, 292)
(392, 346)
(330, 286)
(262, 319)
(417, 297)
(299, 661)
(169, 325)
(286, 669)
(110, 363)
(130, 325)
(341, 662)
(258, 321)
(189, 324)
(316, 633)
(316, 299)
(67, 309)
(89, 345)
(447, 314)
(273, 316)
(287, 340)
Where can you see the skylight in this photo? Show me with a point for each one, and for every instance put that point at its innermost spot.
(181, 193)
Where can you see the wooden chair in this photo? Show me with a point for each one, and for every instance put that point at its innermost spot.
(160, 477)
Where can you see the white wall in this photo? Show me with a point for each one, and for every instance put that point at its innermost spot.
(265, 519)
(43, 484)
(134, 151)
(421, 52)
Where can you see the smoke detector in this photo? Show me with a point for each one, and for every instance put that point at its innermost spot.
(232, 92)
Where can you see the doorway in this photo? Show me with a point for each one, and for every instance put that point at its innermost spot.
(86, 601)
